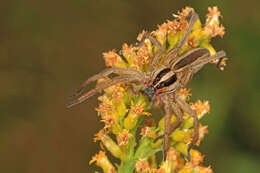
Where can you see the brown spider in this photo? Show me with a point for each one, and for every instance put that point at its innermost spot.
(174, 73)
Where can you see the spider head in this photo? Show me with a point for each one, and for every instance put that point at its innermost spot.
(149, 92)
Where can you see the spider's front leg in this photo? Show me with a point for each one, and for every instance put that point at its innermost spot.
(155, 42)
(186, 108)
(170, 57)
(106, 73)
(106, 84)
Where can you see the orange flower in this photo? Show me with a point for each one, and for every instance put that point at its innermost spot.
(184, 93)
(174, 25)
(123, 137)
(102, 161)
(142, 166)
(196, 157)
(213, 12)
(161, 170)
(138, 109)
(213, 26)
(147, 131)
(185, 12)
(99, 136)
(112, 58)
(201, 108)
(191, 42)
(141, 35)
(204, 169)
(203, 130)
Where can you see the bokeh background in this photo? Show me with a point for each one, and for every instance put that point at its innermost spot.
(48, 48)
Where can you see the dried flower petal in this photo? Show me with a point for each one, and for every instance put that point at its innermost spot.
(161, 170)
(184, 93)
(112, 59)
(201, 108)
(196, 157)
(142, 166)
(123, 137)
(213, 27)
(102, 161)
(203, 130)
(204, 169)
(141, 35)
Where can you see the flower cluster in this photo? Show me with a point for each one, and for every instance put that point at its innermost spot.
(129, 131)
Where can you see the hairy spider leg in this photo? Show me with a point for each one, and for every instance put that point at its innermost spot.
(197, 65)
(102, 86)
(170, 57)
(189, 57)
(159, 52)
(105, 73)
(178, 113)
(168, 115)
(187, 108)
(169, 128)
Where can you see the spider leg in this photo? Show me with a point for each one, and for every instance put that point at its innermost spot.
(189, 57)
(173, 52)
(186, 108)
(168, 115)
(105, 73)
(155, 42)
(178, 113)
(200, 62)
(179, 117)
(219, 65)
(103, 86)
(197, 65)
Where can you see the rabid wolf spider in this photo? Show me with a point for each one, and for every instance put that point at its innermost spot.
(162, 81)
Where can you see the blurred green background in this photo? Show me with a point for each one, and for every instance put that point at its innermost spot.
(48, 48)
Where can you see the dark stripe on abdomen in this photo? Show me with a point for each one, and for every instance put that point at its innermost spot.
(160, 75)
(167, 82)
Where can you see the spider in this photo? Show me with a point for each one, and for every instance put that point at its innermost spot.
(173, 73)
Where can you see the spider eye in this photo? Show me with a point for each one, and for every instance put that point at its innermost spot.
(149, 92)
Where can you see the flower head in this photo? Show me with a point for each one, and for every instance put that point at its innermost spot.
(142, 166)
(184, 93)
(123, 137)
(102, 161)
(123, 109)
(203, 130)
(201, 108)
(196, 157)
(112, 59)
(213, 26)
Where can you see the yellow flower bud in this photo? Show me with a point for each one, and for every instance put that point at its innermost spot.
(108, 143)
(103, 162)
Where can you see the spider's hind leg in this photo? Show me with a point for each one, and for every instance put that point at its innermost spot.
(179, 117)
(168, 115)
(186, 108)
(155, 42)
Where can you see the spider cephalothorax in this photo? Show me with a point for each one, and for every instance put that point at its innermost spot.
(163, 80)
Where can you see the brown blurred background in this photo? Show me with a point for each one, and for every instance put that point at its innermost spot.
(48, 48)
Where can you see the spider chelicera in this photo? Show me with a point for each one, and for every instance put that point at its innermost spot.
(163, 81)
